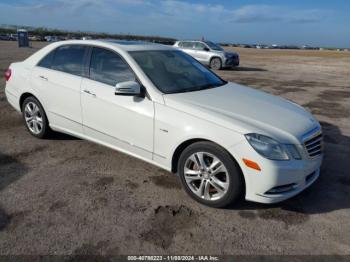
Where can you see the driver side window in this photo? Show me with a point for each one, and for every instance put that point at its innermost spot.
(187, 45)
(109, 68)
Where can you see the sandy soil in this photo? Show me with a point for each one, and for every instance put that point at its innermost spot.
(68, 196)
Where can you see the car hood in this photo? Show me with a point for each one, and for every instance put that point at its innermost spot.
(231, 53)
(246, 110)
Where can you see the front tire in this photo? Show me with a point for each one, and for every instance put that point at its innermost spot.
(35, 118)
(215, 63)
(210, 175)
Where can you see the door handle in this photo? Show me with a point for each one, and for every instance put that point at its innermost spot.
(44, 78)
(88, 92)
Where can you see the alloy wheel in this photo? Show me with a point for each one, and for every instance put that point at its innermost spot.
(215, 64)
(206, 176)
(33, 118)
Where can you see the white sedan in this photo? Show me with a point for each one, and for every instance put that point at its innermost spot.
(161, 105)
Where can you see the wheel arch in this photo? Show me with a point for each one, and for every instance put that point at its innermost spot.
(45, 125)
(29, 94)
(181, 147)
(216, 56)
(24, 96)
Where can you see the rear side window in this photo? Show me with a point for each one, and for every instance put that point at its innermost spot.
(187, 44)
(199, 46)
(109, 68)
(69, 59)
(47, 60)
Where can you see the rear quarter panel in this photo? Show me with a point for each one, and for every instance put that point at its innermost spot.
(18, 83)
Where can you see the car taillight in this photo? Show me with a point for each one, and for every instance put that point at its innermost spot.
(8, 74)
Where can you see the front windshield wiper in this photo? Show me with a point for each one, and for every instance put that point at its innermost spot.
(208, 86)
(199, 88)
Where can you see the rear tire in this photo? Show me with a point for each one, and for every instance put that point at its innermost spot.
(215, 63)
(35, 118)
(210, 175)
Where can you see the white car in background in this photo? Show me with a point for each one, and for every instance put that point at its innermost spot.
(159, 104)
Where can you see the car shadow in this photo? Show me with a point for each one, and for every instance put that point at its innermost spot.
(11, 169)
(329, 193)
(245, 69)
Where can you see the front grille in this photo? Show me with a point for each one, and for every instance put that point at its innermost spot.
(314, 145)
(232, 61)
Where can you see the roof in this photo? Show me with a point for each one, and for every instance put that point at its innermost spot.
(125, 42)
(190, 40)
(120, 44)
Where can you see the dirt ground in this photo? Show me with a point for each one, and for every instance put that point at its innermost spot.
(68, 196)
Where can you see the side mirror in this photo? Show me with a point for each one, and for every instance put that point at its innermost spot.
(128, 88)
(206, 49)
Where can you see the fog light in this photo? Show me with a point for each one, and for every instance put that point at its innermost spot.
(282, 189)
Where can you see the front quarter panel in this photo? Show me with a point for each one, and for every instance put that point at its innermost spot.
(173, 127)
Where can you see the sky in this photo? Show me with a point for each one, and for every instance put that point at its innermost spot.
(293, 22)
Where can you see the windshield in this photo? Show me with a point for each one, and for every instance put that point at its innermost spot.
(214, 46)
(173, 71)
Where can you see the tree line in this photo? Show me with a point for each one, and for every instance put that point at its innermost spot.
(42, 32)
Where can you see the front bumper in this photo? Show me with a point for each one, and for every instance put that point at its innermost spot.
(300, 183)
(232, 61)
(277, 180)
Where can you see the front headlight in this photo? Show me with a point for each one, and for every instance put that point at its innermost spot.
(267, 147)
(292, 149)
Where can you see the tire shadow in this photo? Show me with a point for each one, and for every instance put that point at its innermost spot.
(61, 136)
